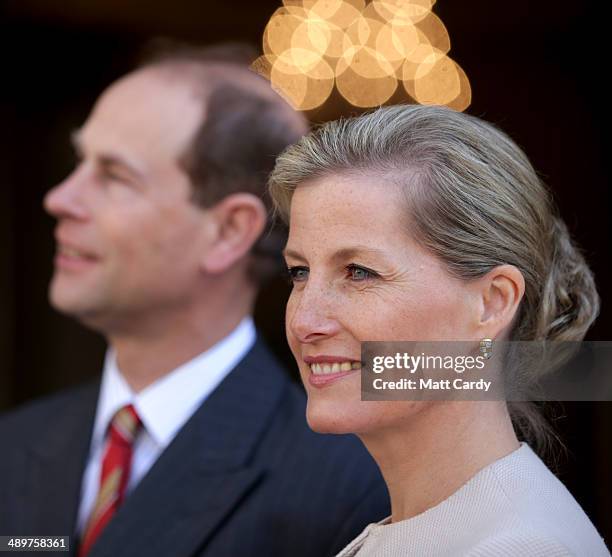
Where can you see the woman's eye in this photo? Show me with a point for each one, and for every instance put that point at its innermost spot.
(297, 274)
(360, 273)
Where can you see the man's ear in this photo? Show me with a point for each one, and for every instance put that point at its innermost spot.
(238, 221)
(500, 291)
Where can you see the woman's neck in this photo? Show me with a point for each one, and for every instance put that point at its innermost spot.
(438, 450)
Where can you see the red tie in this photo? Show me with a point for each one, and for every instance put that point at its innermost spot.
(115, 473)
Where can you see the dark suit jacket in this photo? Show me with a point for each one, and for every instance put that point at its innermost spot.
(244, 477)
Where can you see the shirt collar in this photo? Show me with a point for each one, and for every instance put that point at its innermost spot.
(166, 405)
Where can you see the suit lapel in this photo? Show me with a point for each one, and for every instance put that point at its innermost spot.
(53, 467)
(199, 480)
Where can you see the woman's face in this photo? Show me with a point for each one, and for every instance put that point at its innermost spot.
(358, 276)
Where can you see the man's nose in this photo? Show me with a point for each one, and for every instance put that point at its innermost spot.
(313, 316)
(65, 200)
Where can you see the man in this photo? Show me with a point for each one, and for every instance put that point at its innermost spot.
(195, 441)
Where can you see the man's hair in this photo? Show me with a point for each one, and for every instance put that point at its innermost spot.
(244, 128)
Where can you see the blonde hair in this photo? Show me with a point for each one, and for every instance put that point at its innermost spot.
(480, 204)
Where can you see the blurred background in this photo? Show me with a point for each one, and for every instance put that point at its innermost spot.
(536, 68)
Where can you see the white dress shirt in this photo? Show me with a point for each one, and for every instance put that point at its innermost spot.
(163, 407)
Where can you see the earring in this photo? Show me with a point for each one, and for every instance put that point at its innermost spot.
(486, 347)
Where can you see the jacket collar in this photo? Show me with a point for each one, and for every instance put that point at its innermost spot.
(200, 477)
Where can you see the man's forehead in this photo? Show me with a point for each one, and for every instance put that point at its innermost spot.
(144, 112)
(211, 78)
(205, 77)
(148, 87)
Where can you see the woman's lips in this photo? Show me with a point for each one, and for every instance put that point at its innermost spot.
(325, 370)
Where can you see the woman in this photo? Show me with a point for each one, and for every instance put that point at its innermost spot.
(420, 223)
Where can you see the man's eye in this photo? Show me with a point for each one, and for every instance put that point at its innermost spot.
(112, 177)
(297, 274)
(358, 274)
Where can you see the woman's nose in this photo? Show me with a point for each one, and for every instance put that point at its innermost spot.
(311, 314)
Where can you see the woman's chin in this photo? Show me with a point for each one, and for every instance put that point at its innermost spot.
(322, 424)
(323, 417)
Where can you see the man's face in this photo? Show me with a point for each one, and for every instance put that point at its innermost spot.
(129, 239)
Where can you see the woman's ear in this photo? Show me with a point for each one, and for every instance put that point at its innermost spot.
(239, 219)
(501, 291)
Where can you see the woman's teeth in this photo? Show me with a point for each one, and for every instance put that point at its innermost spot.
(336, 367)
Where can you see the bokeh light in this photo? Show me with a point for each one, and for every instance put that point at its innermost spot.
(364, 50)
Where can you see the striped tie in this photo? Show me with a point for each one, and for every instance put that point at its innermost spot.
(115, 473)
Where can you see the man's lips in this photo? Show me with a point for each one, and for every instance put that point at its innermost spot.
(71, 258)
(70, 251)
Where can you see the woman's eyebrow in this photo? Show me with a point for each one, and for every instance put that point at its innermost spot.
(293, 254)
(342, 254)
(356, 251)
